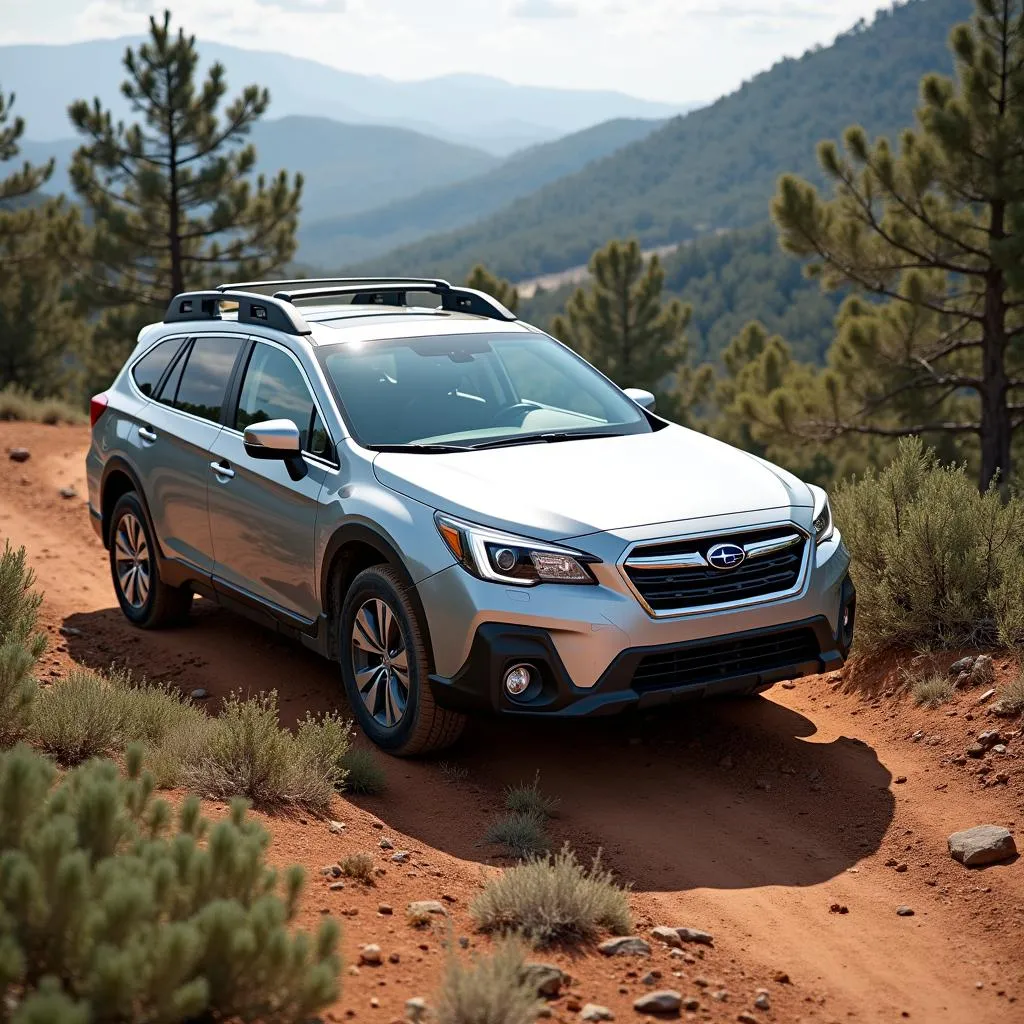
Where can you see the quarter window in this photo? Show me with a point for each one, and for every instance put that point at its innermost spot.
(150, 368)
(204, 380)
(275, 389)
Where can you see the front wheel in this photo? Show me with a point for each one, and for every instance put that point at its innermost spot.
(385, 667)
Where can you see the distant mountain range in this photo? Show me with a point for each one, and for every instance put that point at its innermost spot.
(336, 240)
(715, 168)
(475, 110)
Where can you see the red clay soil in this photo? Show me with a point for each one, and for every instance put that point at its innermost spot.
(747, 819)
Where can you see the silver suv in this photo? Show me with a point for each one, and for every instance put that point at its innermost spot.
(455, 507)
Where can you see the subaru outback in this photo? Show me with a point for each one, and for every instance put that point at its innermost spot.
(453, 506)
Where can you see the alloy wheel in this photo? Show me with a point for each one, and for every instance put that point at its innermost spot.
(131, 560)
(380, 662)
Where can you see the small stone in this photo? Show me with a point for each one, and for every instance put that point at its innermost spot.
(987, 695)
(199, 694)
(70, 631)
(721, 996)
(763, 1002)
(651, 978)
(670, 936)
(664, 1001)
(696, 935)
(336, 871)
(336, 886)
(464, 941)
(546, 979)
(626, 945)
(691, 1004)
(901, 867)
(402, 857)
(384, 909)
(963, 665)
(985, 844)
(386, 844)
(374, 1003)
(336, 827)
(416, 1009)
(959, 760)
(746, 1018)
(999, 748)
(976, 750)
(900, 779)
(983, 671)
(838, 908)
(394, 958)
(789, 685)
(781, 978)
(421, 908)
(905, 911)
(19, 454)
(593, 1012)
(370, 956)
(67, 493)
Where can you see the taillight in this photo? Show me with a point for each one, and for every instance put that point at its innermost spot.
(96, 406)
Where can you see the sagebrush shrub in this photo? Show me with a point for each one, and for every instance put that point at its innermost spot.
(528, 799)
(363, 772)
(553, 899)
(932, 690)
(359, 866)
(16, 404)
(111, 911)
(78, 717)
(489, 990)
(21, 644)
(522, 834)
(935, 562)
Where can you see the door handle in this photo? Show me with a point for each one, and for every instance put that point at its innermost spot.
(147, 435)
(222, 469)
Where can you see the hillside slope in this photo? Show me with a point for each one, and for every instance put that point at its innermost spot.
(716, 167)
(347, 167)
(338, 240)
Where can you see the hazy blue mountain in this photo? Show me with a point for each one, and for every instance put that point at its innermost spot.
(716, 167)
(347, 167)
(335, 241)
(476, 109)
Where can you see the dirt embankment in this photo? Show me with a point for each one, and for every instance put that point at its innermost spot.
(748, 819)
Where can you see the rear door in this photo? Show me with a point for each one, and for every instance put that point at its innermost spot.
(263, 522)
(180, 425)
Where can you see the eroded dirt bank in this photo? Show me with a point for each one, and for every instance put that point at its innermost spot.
(747, 819)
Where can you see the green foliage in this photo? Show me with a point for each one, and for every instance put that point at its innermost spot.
(553, 899)
(521, 833)
(528, 799)
(21, 644)
(16, 404)
(111, 912)
(935, 562)
(363, 772)
(490, 990)
(77, 718)
(504, 291)
(932, 690)
(932, 227)
(172, 195)
(246, 753)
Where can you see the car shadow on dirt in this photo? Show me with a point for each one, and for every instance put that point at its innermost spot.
(718, 794)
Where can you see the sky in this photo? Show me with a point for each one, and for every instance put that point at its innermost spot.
(673, 50)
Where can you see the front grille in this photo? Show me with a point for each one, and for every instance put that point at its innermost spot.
(700, 585)
(699, 664)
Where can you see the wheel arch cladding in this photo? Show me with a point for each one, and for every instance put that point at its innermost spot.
(118, 480)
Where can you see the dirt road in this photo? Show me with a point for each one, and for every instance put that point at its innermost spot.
(748, 819)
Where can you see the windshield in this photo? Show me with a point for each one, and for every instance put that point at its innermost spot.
(473, 391)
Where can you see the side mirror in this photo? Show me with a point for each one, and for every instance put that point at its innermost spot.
(276, 439)
(642, 398)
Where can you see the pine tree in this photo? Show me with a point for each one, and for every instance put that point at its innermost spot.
(504, 291)
(40, 332)
(172, 195)
(620, 325)
(937, 231)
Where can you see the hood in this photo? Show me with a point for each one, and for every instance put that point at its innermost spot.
(573, 488)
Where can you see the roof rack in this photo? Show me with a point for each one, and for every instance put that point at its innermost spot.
(305, 282)
(252, 309)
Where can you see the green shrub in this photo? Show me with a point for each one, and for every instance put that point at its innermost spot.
(246, 753)
(490, 990)
(553, 899)
(110, 912)
(932, 690)
(77, 718)
(21, 644)
(364, 774)
(935, 562)
(16, 404)
(359, 866)
(528, 799)
(522, 834)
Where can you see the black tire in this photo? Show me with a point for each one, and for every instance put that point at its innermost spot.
(143, 596)
(422, 726)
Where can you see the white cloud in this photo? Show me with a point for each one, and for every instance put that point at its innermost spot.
(543, 9)
(307, 6)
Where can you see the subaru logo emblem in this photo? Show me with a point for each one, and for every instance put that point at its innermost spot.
(726, 556)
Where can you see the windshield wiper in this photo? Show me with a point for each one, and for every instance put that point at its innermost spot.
(551, 438)
(430, 449)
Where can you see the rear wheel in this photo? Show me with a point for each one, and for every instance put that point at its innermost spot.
(385, 667)
(144, 597)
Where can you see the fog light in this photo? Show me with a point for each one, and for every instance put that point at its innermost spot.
(505, 559)
(518, 679)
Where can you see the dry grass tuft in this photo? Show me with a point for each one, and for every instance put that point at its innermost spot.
(364, 774)
(528, 799)
(19, 405)
(358, 866)
(490, 990)
(522, 835)
(933, 690)
(1011, 698)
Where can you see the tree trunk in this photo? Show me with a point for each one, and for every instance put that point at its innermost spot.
(996, 425)
(173, 209)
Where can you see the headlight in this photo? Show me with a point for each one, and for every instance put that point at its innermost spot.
(823, 525)
(506, 558)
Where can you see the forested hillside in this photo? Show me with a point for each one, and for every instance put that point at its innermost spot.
(716, 167)
(337, 240)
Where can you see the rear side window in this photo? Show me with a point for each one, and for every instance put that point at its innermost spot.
(275, 389)
(150, 368)
(204, 379)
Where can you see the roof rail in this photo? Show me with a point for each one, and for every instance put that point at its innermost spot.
(394, 292)
(304, 282)
(252, 309)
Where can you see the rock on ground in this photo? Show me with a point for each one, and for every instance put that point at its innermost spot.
(983, 671)
(18, 454)
(420, 908)
(985, 844)
(370, 955)
(963, 665)
(546, 979)
(593, 1012)
(665, 1001)
(670, 936)
(626, 945)
(416, 1009)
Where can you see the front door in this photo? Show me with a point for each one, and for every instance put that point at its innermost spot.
(263, 522)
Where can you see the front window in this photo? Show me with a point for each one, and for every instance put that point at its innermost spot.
(471, 391)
